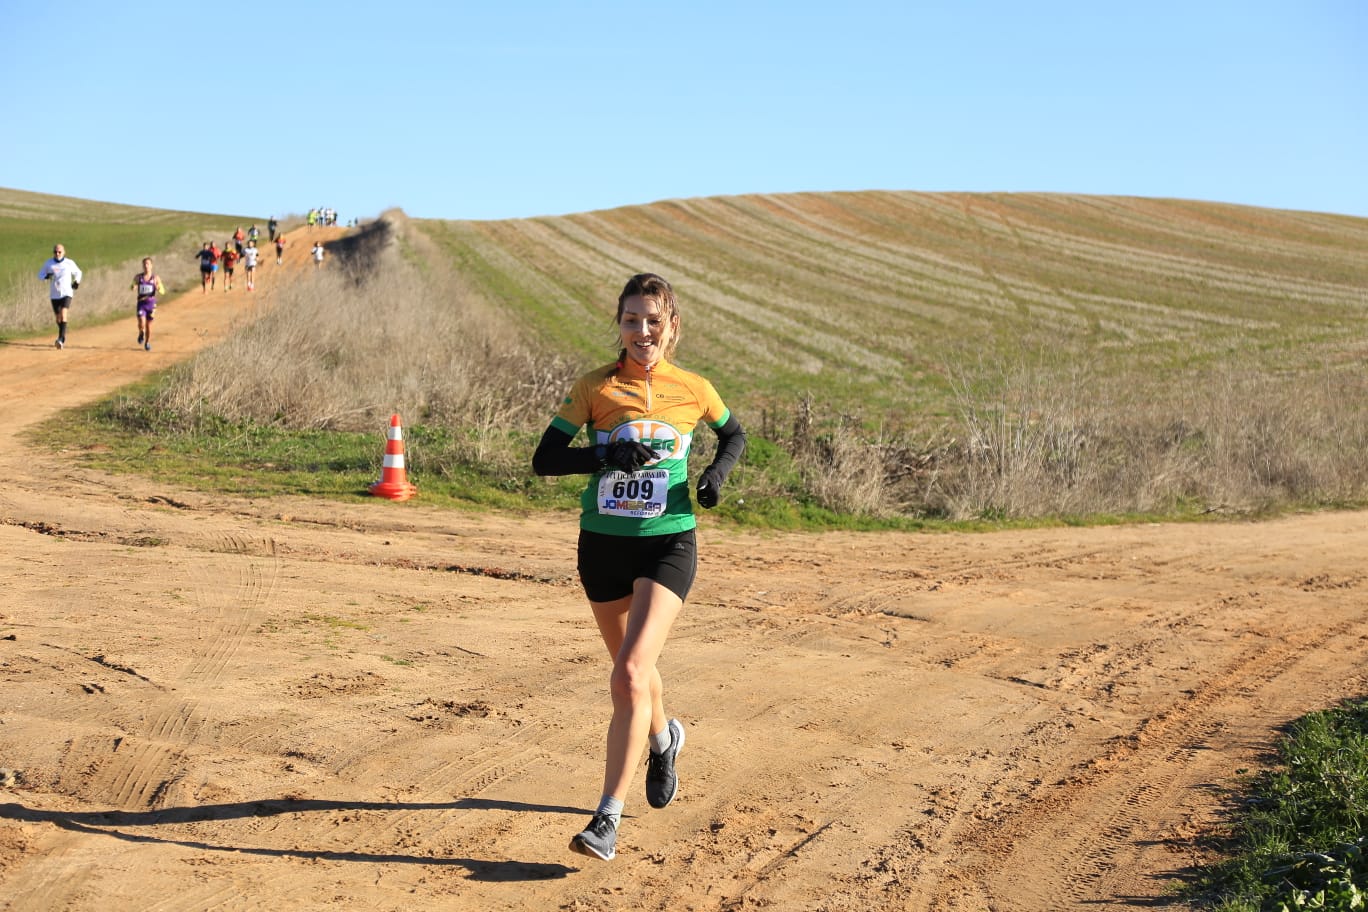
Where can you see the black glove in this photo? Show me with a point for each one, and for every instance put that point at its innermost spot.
(709, 488)
(628, 455)
(75, 284)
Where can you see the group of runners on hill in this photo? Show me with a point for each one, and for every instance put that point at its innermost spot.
(64, 276)
(242, 246)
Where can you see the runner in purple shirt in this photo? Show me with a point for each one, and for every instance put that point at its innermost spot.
(148, 285)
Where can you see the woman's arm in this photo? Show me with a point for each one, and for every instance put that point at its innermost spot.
(731, 443)
(555, 456)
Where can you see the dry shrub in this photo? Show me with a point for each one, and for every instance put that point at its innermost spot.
(1044, 442)
(1024, 448)
(846, 475)
(842, 470)
(836, 463)
(1033, 440)
(1265, 440)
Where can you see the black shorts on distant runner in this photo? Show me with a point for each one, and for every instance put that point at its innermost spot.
(610, 564)
(59, 303)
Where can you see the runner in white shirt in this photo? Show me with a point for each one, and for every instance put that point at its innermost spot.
(249, 260)
(64, 277)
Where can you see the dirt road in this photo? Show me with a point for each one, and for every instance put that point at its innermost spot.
(221, 703)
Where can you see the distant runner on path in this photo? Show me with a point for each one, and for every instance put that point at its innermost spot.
(271, 227)
(230, 258)
(148, 286)
(317, 254)
(280, 249)
(64, 277)
(208, 258)
(249, 260)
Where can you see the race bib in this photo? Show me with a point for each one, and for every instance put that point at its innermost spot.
(146, 289)
(640, 495)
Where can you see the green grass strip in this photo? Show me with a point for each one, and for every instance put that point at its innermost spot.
(126, 434)
(1299, 841)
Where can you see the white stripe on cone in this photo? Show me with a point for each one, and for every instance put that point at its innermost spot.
(394, 461)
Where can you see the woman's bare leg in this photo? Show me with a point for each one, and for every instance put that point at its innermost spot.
(634, 629)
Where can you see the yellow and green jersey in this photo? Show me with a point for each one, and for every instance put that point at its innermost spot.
(660, 407)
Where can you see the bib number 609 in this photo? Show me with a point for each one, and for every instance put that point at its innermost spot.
(633, 489)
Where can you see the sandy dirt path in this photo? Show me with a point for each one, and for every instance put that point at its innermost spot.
(223, 703)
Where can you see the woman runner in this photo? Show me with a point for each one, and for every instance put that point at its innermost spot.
(148, 286)
(637, 552)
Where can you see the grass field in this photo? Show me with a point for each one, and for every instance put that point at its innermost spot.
(874, 300)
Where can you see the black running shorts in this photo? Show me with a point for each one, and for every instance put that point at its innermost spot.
(610, 564)
(59, 303)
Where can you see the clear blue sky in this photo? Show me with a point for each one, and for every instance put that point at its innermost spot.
(502, 110)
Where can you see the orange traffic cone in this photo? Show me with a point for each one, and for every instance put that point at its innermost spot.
(394, 483)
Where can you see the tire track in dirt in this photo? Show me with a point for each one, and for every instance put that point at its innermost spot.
(922, 863)
(127, 762)
(430, 815)
(226, 605)
(499, 765)
(1085, 836)
(1164, 757)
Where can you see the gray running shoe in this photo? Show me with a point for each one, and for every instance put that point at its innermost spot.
(147, 346)
(662, 780)
(140, 338)
(61, 343)
(598, 839)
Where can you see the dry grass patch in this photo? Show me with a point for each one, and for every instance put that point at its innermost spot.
(387, 327)
(1033, 441)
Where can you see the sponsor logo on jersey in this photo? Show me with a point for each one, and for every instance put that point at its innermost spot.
(637, 506)
(659, 436)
